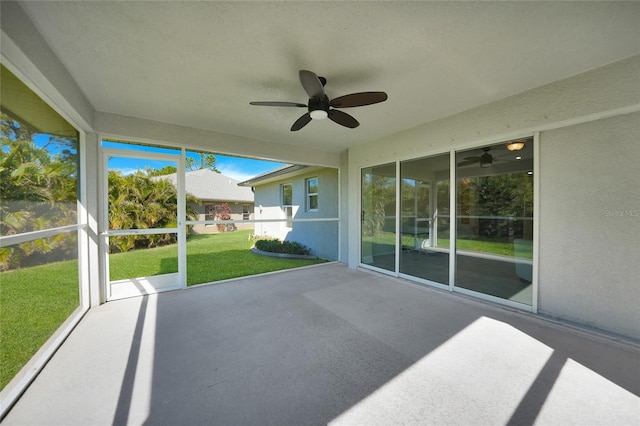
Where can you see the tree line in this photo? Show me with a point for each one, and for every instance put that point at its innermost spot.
(508, 195)
(38, 190)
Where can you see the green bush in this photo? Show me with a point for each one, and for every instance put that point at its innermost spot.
(277, 246)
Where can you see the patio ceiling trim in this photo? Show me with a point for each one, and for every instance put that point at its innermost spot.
(149, 131)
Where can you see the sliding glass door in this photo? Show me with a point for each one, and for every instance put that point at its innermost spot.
(378, 230)
(492, 232)
(494, 221)
(424, 219)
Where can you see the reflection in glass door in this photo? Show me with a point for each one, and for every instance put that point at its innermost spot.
(424, 222)
(378, 227)
(142, 210)
(494, 220)
(493, 226)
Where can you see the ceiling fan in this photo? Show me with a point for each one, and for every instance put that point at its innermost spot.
(320, 107)
(485, 160)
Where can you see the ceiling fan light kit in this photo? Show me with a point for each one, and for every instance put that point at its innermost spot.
(320, 107)
(318, 114)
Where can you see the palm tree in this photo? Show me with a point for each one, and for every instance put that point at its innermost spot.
(38, 190)
(138, 202)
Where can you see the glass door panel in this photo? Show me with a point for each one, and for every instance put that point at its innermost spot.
(378, 218)
(142, 230)
(424, 222)
(494, 221)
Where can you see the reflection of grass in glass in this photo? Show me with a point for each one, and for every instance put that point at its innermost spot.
(503, 249)
(35, 302)
(380, 238)
(490, 247)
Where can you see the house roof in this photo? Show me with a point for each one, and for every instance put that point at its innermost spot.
(279, 173)
(208, 185)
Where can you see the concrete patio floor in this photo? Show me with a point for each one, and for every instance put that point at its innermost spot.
(328, 345)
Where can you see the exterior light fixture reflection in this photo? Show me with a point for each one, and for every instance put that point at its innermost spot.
(515, 145)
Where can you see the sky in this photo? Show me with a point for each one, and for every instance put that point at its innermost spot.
(237, 168)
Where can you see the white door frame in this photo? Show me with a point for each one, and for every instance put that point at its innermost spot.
(137, 286)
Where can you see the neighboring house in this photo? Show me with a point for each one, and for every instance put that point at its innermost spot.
(296, 193)
(214, 189)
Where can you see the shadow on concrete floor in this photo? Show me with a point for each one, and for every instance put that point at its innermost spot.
(328, 345)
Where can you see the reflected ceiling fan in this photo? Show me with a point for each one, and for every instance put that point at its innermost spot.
(485, 160)
(320, 107)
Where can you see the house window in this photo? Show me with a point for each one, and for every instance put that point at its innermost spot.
(287, 203)
(312, 195)
(209, 212)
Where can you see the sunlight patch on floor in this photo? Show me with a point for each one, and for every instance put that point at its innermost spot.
(578, 385)
(133, 287)
(479, 375)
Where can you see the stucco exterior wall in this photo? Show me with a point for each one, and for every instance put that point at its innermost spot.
(588, 166)
(590, 224)
(320, 237)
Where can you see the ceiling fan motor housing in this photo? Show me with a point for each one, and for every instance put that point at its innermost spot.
(319, 107)
(486, 160)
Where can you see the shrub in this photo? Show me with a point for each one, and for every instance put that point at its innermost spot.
(223, 212)
(277, 246)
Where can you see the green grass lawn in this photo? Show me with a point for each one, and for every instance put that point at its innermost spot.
(210, 258)
(35, 301)
(223, 256)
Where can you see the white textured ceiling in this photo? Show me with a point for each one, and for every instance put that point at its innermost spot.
(199, 64)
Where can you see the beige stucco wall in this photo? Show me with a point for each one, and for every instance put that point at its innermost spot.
(590, 224)
(589, 132)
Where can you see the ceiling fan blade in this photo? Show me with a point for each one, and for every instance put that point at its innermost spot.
(467, 162)
(278, 104)
(301, 122)
(358, 99)
(343, 119)
(311, 84)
